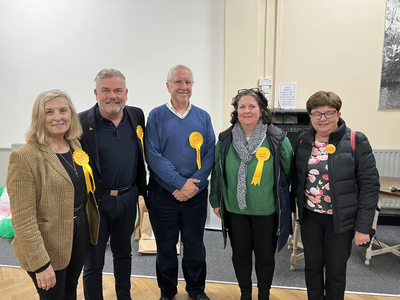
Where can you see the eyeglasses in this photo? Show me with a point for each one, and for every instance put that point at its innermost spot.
(257, 90)
(318, 115)
(180, 82)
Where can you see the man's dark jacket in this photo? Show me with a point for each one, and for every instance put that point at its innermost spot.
(89, 144)
(353, 178)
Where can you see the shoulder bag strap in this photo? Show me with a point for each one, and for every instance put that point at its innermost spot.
(353, 139)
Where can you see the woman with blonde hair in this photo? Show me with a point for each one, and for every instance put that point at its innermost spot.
(54, 213)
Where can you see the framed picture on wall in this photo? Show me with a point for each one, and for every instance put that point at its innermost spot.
(390, 80)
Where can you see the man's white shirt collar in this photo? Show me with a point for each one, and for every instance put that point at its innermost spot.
(171, 108)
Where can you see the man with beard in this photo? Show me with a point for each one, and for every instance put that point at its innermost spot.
(113, 138)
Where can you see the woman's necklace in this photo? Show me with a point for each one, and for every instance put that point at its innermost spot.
(73, 167)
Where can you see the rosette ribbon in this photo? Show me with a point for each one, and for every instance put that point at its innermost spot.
(330, 148)
(82, 159)
(262, 154)
(140, 134)
(196, 141)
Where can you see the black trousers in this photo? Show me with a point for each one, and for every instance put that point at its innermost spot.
(168, 216)
(67, 279)
(324, 248)
(249, 233)
(117, 222)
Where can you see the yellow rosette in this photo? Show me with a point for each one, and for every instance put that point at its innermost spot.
(196, 141)
(262, 154)
(82, 159)
(330, 148)
(140, 134)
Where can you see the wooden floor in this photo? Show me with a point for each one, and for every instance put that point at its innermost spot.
(15, 284)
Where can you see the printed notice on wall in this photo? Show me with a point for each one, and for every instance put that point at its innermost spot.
(287, 95)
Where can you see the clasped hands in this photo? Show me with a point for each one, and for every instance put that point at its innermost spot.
(188, 190)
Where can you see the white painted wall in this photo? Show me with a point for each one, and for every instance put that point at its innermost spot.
(4, 158)
(47, 44)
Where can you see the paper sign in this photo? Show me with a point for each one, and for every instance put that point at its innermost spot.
(287, 95)
(265, 89)
(265, 81)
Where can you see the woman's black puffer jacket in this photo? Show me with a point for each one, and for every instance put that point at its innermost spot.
(353, 178)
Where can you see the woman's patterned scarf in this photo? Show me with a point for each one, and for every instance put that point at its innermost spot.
(245, 150)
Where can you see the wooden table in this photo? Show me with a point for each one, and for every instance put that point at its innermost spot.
(384, 192)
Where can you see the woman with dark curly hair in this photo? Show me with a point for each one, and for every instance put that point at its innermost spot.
(249, 159)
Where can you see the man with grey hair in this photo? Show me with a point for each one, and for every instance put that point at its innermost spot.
(180, 155)
(113, 138)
